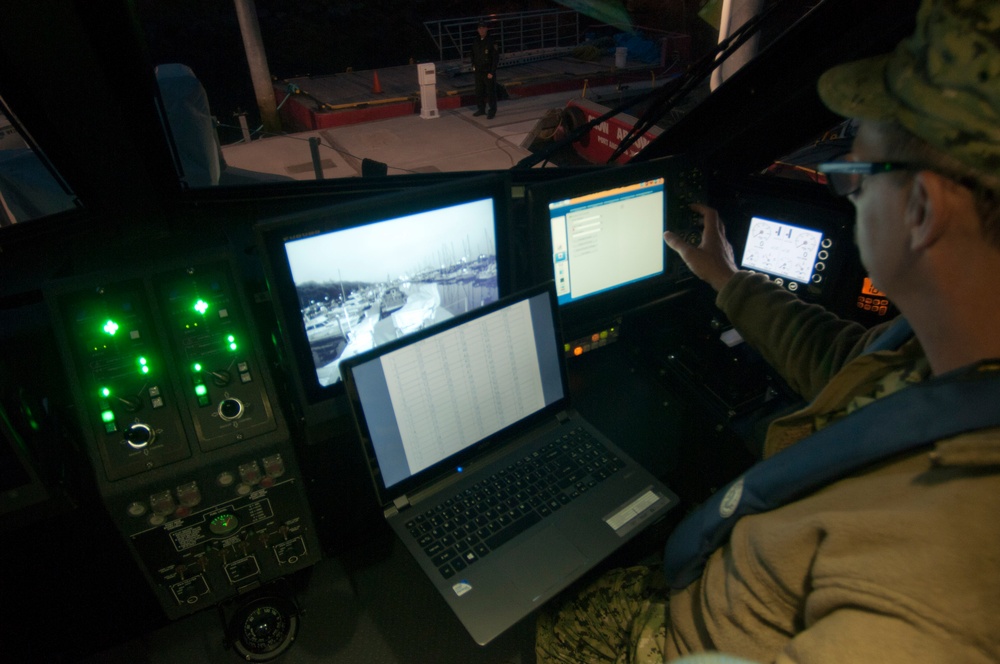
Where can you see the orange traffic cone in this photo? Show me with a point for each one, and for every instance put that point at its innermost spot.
(376, 86)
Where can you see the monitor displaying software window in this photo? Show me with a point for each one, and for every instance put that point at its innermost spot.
(602, 240)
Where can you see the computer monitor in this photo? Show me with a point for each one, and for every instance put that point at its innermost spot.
(798, 249)
(349, 276)
(599, 235)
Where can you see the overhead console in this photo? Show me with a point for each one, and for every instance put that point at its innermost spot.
(191, 455)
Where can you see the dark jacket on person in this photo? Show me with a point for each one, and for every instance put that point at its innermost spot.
(485, 55)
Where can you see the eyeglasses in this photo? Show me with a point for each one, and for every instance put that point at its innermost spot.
(845, 177)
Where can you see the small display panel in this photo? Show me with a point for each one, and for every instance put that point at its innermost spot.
(602, 240)
(781, 249)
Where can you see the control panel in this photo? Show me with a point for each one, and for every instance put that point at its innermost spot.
(686, 185)
(192, 457)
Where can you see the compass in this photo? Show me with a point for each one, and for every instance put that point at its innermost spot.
(263, 628)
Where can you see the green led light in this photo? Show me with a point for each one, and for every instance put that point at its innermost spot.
(196, 367)
(107, 416)
(110, 328)
(232, 342)
(143, 365)
(201, 306)
(105, 392)
(200, 390)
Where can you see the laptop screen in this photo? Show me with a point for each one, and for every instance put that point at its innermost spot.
(440, 394)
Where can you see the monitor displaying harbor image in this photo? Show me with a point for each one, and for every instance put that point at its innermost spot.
(355, 275)
(361, 287)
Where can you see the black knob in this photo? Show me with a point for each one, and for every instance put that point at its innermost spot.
(230, 409)
(139, 435)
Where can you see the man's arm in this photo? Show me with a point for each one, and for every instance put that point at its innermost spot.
(805, 343)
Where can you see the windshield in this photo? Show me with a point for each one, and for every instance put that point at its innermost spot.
(253, 92)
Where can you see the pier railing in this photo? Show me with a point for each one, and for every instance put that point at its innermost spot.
(515, 32)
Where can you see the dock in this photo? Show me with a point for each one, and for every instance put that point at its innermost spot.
(350, 123)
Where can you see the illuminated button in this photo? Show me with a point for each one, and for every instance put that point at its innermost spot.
(201, 392)
(274, 465)
(189, 494)
(162, 503)
(249, 472)
(136, 509)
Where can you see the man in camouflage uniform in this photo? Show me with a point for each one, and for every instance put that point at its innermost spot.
(900, 561)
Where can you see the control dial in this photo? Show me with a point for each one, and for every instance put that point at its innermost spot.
(139, 435)
(231, 408)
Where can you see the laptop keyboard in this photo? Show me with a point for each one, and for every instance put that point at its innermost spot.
(463, 529)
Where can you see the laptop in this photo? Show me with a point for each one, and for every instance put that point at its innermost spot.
(501, 491)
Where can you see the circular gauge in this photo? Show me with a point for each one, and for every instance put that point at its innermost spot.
(223, 523)
(264, 628)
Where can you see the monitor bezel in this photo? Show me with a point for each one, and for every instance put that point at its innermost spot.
(593, 311)
(319, 403)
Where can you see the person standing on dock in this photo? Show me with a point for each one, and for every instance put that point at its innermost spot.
(485, 58)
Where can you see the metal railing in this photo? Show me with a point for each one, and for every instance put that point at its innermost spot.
(515, 32)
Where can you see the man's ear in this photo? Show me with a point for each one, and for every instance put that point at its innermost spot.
(927, 210)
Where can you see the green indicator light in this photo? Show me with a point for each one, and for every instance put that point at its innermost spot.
(107, 416)
(196, 367)
(201, 306)
(200, 390)
(143, 365)
(110, 328)
(232, 342)
(105, 392)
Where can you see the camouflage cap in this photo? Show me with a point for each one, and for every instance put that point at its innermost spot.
(942, 83)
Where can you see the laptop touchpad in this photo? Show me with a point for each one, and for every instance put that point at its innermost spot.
(543, 560)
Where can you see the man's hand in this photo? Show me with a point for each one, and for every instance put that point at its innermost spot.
(712, 260)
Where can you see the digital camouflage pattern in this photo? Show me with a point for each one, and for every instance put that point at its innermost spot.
(942, 83)
(621, 617)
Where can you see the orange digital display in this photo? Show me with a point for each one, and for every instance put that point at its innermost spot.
(868, 288)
